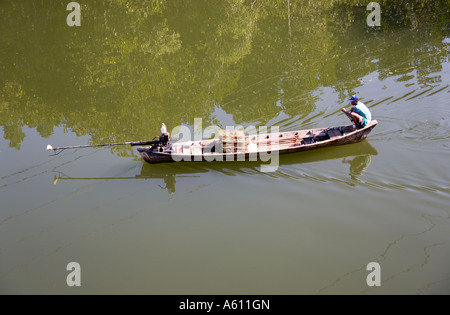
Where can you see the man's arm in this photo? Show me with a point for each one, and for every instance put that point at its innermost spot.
(344, 110)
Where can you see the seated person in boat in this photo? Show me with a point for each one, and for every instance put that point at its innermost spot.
(359, 113)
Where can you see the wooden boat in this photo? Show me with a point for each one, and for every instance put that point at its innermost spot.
(237, 147)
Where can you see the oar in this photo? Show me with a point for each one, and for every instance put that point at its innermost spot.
(134, 143)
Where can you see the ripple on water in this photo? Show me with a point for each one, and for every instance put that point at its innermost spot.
(427, 130)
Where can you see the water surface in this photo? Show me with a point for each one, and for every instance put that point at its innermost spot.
(310, 227)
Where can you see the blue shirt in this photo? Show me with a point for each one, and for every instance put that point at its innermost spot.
(363, 111)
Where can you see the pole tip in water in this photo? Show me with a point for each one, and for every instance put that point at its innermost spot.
(49, 147)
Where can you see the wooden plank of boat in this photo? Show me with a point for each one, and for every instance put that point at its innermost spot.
(283, 142)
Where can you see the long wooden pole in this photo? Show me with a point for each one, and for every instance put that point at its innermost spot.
(133, 143)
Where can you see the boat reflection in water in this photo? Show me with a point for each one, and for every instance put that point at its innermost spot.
(357, 155)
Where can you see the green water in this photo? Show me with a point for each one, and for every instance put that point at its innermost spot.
(310, 227)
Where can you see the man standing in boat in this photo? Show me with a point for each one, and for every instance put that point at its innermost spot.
(359, 114)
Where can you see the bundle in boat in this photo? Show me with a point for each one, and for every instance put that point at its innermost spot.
(232, 140)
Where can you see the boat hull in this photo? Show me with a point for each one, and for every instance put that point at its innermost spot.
(317, 138)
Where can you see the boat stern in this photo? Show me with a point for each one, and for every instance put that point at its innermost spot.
(150, 155)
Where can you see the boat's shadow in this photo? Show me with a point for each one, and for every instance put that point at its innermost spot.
(357, 156)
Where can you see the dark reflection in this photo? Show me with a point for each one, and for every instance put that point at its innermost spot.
(358, 164)
(169, 173)
(358, 155)
(331, 153)
(170, 182)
